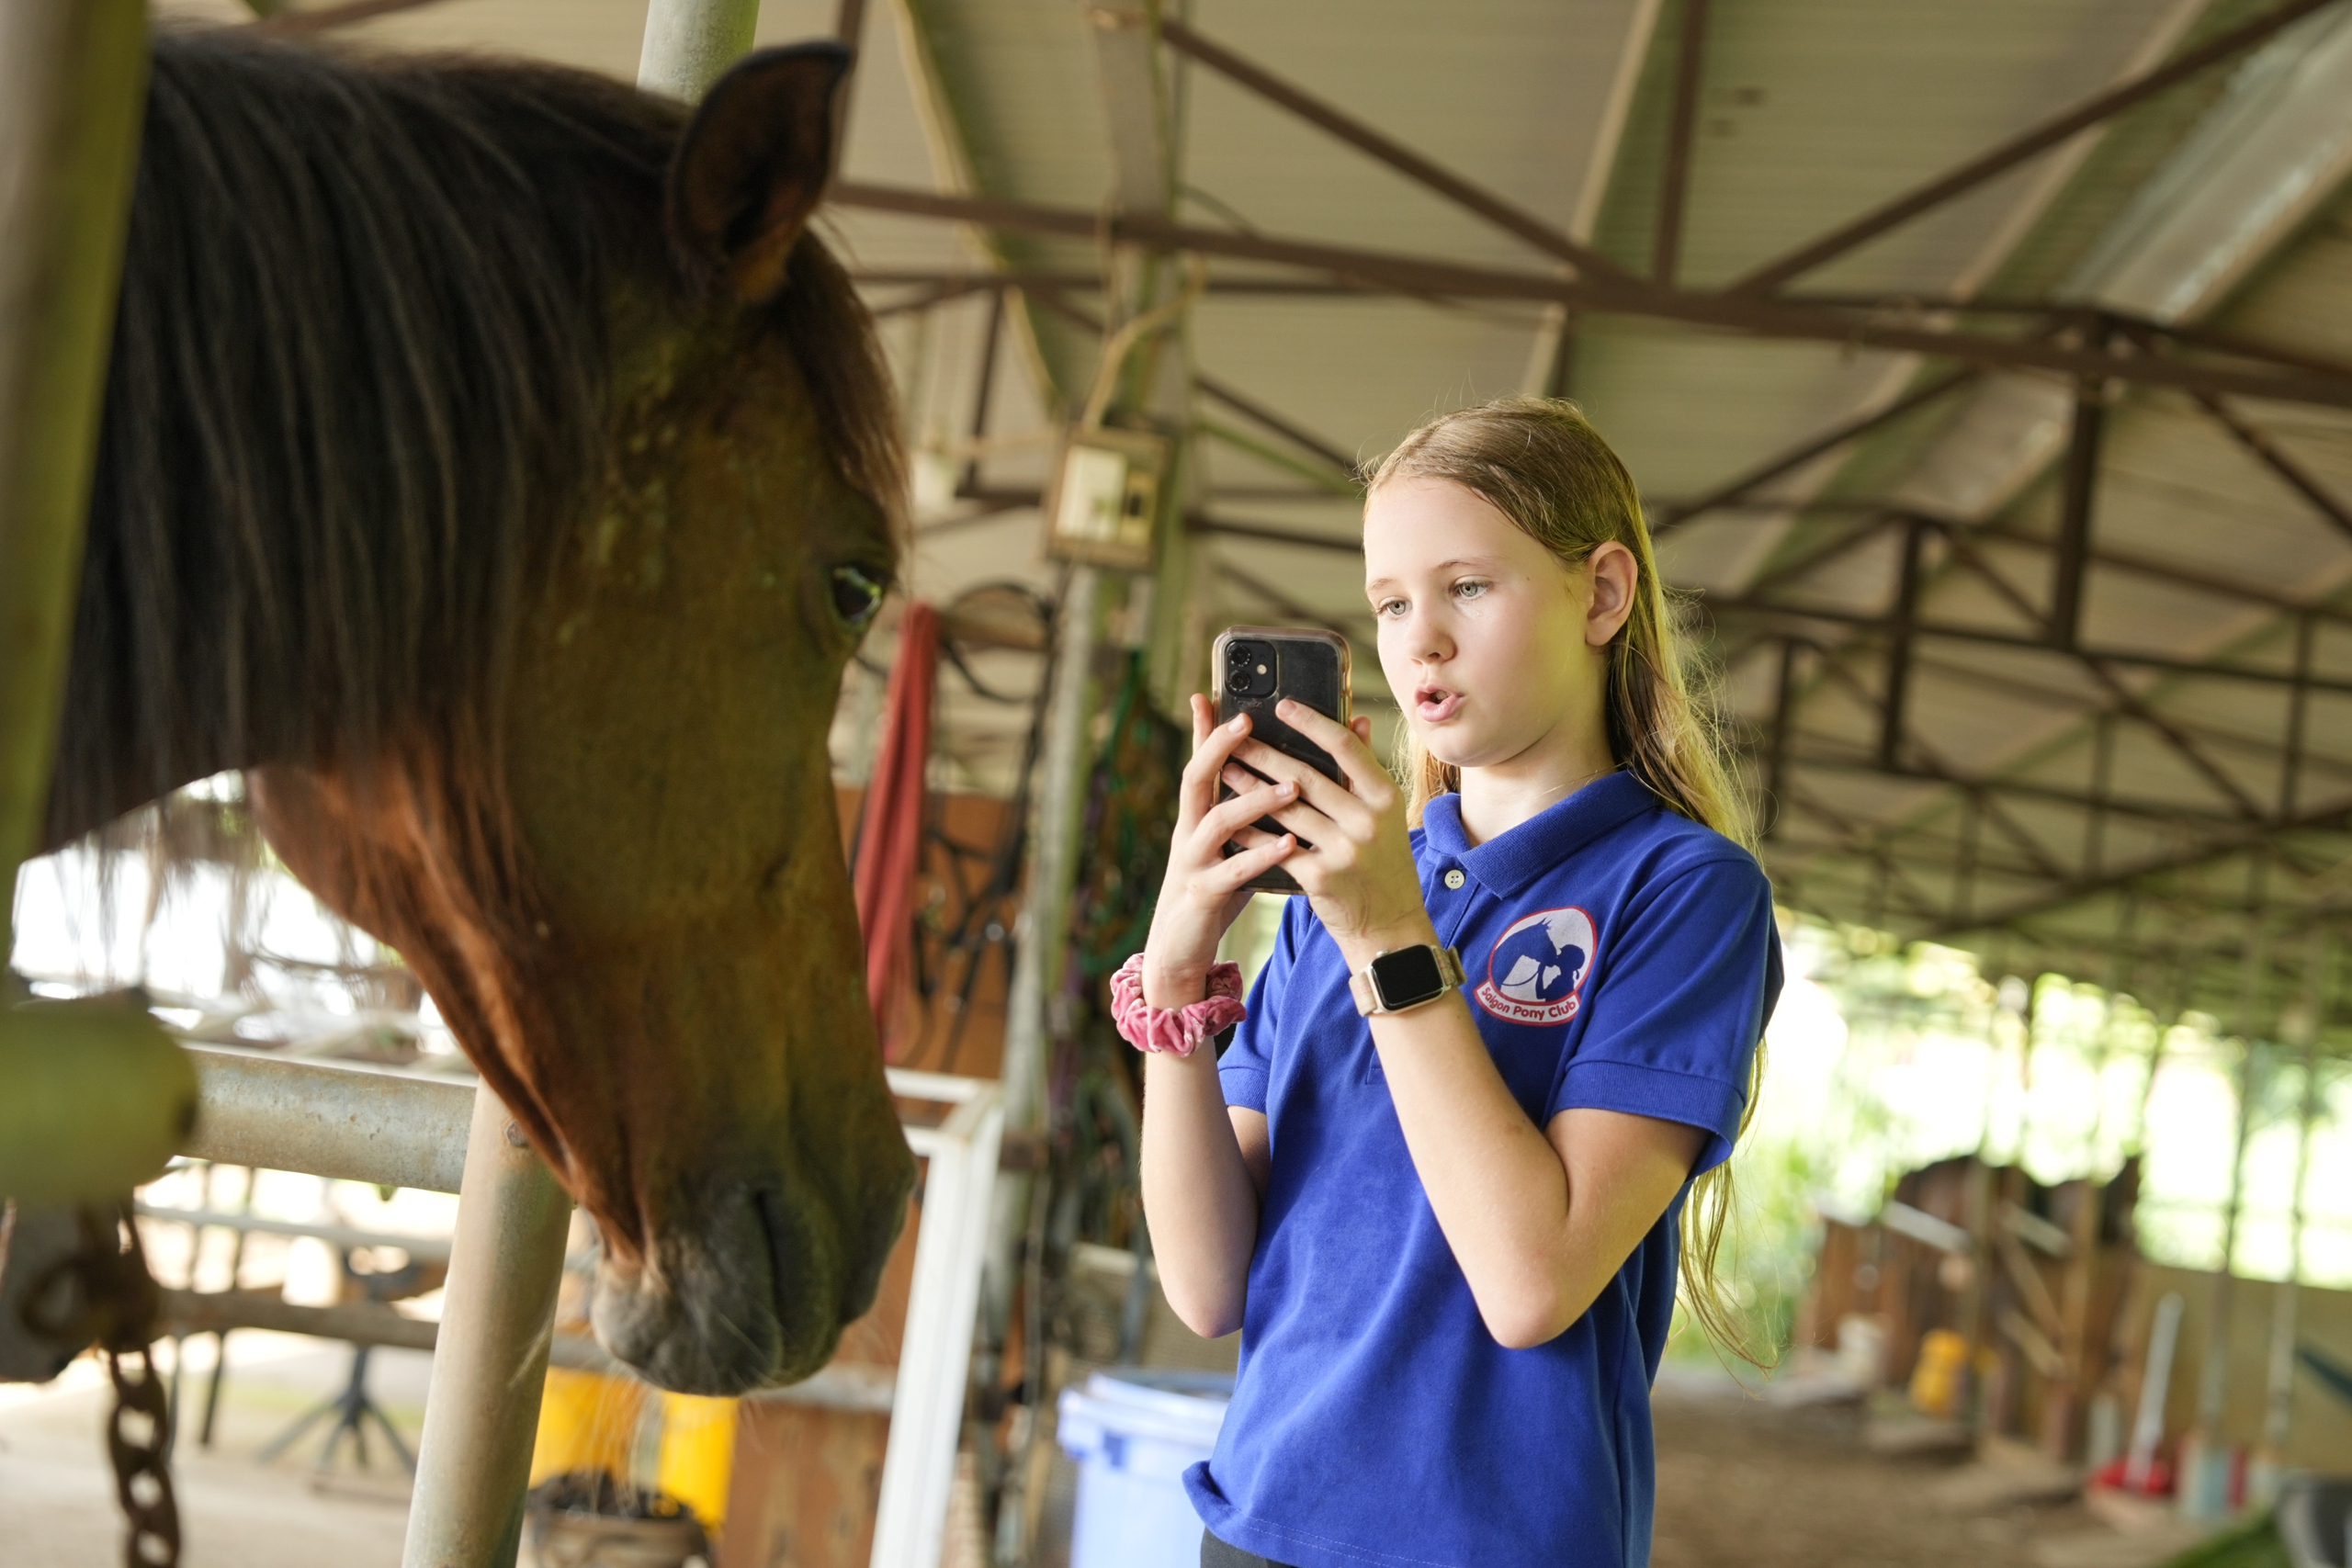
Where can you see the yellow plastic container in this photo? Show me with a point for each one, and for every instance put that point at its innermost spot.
(698, 1461)
(1935, 1381)
(587, 1421)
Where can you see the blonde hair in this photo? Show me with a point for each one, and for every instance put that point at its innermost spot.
(1540, 463)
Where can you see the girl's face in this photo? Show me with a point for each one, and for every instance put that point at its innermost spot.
(1492, 646)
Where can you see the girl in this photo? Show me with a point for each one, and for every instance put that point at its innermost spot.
(1437, 1179)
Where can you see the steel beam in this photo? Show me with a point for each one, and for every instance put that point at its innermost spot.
(1758, 318)
(2125, 700)
(1674, 183)
(1343, 468)
(326, 18)
(1285, 603)
(1510, 218)
(2080, 493)
(2299, 697)
(2111, 558)
(2019, 789)
(1785, 703)
(2102, 787)
(2213, 849)
(968, 484)
(956, 283)
(2268, 753)
(1858, 839)
(1893, 701)
(1932, 766)
(1986, 638)
(1273, 534)
(1288, 429)
(2017, 150)
(1805, 451)
(2266, 450)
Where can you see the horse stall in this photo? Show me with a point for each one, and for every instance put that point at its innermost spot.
(97, 1098)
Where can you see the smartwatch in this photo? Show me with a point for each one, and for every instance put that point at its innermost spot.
(1405, 978)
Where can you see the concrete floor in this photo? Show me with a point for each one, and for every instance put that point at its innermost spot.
(57, 1506)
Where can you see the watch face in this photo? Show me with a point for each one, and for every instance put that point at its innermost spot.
(1407, 977)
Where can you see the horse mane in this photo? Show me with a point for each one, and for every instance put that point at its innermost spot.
(359, 380)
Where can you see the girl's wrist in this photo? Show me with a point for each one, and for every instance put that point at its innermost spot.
(1361, 946)
(1175, 985)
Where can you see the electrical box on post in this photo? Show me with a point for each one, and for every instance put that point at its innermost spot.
(1104, 505)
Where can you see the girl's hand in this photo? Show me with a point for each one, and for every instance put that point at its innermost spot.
(1360, 874)
(1204, 889)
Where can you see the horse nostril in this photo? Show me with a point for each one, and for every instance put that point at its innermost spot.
(771, 1238)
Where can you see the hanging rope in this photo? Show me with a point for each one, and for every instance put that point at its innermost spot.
(889, 837)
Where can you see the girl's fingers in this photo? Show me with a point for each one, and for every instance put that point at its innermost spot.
(1223, 824)
(1300, 816)
(1365, 776)
(1212, 750)
(1335, 801)
(1235, 870)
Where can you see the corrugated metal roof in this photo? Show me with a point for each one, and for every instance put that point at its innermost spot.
(1812, 111)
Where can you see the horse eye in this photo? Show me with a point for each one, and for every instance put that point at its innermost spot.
(857, 593)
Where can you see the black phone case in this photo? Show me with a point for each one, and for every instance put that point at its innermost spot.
(1313, 668)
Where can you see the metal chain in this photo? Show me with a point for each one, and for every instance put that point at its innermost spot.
(103, 1295)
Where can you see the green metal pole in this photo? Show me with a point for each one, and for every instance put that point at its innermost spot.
(92, 1097)
(73, 90)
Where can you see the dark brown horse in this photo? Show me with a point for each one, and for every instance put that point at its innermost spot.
(494, 469)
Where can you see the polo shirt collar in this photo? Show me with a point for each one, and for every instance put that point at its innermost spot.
(1509, 862)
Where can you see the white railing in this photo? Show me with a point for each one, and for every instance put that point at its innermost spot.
(491, 1348)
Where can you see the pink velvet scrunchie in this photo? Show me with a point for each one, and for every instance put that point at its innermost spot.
(1177, 1031)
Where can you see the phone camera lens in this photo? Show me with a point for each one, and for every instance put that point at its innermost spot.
(1249, 668)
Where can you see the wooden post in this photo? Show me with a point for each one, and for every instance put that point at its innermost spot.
(2204, 1472)
(2062, 1423)
(2279, 1407)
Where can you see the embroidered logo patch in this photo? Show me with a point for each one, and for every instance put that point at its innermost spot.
(1537, 967)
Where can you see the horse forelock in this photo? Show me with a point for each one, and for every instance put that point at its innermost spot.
(359, 382)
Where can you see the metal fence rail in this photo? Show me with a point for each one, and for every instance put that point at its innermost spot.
(496, 1336)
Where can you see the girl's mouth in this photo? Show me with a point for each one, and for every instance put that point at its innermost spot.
(1435, 705)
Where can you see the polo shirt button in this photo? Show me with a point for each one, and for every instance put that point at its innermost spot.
(1454, 879)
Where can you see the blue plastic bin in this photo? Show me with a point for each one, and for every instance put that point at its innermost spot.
(1133, 1433)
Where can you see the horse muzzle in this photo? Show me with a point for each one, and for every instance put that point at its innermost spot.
(752, 1290)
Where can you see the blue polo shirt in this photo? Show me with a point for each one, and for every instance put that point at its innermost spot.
(1619, 956)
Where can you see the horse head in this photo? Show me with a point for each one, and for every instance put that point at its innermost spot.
(610, 848)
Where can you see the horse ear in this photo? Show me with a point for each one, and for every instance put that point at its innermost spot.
(752, 164)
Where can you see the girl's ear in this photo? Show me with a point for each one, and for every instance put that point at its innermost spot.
(1614, 576)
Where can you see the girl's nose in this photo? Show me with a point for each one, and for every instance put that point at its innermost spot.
(1429, 645)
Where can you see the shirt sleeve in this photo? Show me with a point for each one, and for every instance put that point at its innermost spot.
(1244, 1067)
(1680, 1005)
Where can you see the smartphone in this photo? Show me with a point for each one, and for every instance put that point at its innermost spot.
(1256, 667)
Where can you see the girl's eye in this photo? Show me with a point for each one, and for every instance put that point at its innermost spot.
(1391, 608)
(1470, 590)
(857, 593)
